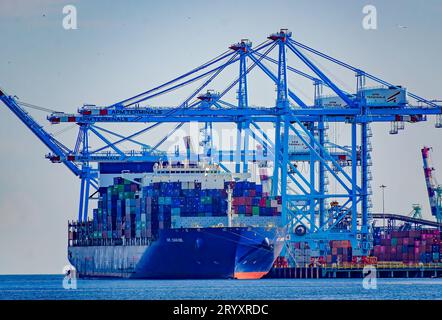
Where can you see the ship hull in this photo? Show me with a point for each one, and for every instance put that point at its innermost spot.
(205, 253)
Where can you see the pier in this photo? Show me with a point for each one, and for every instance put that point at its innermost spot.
(384, 271)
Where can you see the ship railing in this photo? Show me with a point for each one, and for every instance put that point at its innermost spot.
(387, 265)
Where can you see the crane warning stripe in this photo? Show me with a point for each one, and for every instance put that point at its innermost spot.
(392, 97)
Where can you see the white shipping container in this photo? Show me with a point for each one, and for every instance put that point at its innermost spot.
(332, 102)
(383, 97)
(297, 146)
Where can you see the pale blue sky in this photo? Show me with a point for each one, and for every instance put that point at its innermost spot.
(123, 48)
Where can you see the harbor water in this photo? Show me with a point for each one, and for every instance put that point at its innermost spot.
(50, 287)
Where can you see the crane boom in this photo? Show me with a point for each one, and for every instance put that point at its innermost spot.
(54, 145)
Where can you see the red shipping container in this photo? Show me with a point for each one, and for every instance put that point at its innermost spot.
(262, 202)
(414, 234)
(248, 209)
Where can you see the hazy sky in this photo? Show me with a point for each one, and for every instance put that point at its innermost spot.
(122, 48)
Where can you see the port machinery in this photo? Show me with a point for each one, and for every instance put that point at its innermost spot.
(434, 189)
(310, 210)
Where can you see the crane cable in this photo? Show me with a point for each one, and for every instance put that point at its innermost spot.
(33, 106)
(39, 108)
(203, 66)
(56, 133)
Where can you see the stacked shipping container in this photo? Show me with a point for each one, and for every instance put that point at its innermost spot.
(125, 210)
(120, 211)
(301, 254)
(408, 246)
(340, 252)
(250, 200)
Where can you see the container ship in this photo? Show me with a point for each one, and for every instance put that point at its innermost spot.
(182, 221)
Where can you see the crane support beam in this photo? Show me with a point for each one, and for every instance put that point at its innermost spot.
(55, 146)
(300, 176)
(263, 114)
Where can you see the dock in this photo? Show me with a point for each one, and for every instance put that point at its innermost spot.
(384, 271)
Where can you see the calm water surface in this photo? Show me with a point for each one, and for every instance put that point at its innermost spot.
(50, 287)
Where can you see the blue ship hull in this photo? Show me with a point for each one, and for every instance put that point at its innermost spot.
(205, 253)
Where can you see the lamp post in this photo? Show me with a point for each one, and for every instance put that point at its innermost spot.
(383, 204)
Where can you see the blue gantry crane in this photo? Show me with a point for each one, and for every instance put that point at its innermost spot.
(310, 210)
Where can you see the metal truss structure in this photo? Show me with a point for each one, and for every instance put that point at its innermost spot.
(306, 198)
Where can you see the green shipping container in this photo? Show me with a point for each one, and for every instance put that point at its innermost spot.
(255, 211)
(206, 200)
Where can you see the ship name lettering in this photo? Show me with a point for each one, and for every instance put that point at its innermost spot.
(174, 240)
